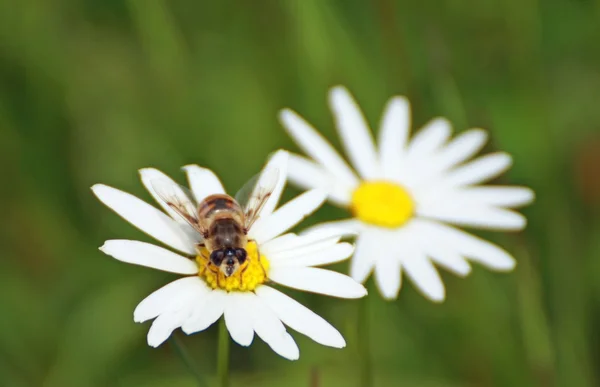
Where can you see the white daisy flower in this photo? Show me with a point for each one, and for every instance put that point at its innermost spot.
(246, 298)
(405, 193)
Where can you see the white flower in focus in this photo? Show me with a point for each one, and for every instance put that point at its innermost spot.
(405, 193)
(246, 299)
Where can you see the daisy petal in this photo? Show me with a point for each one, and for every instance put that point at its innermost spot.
(149, 177)
(388, 276)
(475, 248)
(300, 249)
(237, 318)
(475, 216)
(169, 297)
(354, 133)
(348, 227)
(367, 247)
(164, 325)
(308, 175)
(318, 280)
(271, 330)
(461, 148)
(324, 256)
(291, 242)
(499, 196)
(445, 256)
(203, 182)
(424, 275)
(431, 137)
(393, 136)
(287, 216)
(206, 312)
(300, 318)
(314, 145)
(145, 217)
(479, 170)
(146, 254)
(278, 161)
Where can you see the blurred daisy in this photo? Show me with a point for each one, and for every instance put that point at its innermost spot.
(405, 193)
(245, 298)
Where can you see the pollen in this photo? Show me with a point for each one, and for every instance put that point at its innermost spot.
(247, 277)
(382, 203)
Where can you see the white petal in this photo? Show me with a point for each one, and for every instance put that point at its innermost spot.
(325, 256)
(318, 280)
(268, 327)
(145, 217)
(165, 324)
(302, 249)
(461, 148)
(468, 245)
(237, 318)
(500, 196)
(300, 318)
(278, 161)
(388, 276)
(347, 226)
(287, 216)
(308, 175)
(146, 254)
(148, 176)
(430, 138)
(207, 312)
(170, 297)
(354, 133)
(479, 170)
(203, 182)
(314, 145)
(367, 247)
(474, 216)
(393, 135)
(292, 243)
(424, 275)
(445, 255)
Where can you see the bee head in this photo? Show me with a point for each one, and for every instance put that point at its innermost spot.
(228, 260)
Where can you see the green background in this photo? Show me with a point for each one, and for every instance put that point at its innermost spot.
(91, 91)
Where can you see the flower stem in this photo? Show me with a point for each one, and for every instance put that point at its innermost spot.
(366, 372)
(223, 356)
(187, 360)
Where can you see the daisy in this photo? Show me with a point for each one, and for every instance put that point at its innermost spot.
(407, 195)
(246, 299)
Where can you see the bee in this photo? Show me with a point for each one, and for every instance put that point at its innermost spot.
(220, 220)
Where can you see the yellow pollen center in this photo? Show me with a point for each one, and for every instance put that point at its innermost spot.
(247, 277)
(382, 203)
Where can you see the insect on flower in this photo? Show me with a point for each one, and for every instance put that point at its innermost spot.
(220, 219)
(230, 253)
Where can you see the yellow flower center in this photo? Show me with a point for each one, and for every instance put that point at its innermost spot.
(382, 203)
(247, 277)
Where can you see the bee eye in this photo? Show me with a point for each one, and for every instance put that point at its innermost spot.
(216, 257)
(241, 255)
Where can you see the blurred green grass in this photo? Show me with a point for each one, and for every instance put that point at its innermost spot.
(91, 91)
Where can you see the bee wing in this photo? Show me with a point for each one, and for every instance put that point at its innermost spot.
(255, 193)
(179, 199)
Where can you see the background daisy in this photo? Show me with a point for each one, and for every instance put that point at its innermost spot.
(249, 305)
(406, 192)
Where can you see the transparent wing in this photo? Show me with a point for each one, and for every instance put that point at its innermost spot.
(179, 199)
(255, 193)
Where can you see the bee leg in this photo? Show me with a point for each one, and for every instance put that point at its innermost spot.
(215, 271)
(242, 274)
(261, 266)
